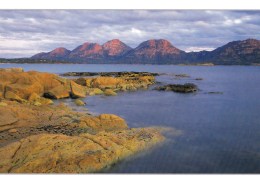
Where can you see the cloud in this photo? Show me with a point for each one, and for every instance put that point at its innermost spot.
(137, 32)
(196, 49)
(27, 32)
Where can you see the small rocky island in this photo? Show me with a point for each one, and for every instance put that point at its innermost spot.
(180, 88)
(38, 136)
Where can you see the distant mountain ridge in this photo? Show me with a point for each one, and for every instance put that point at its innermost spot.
(157, 51)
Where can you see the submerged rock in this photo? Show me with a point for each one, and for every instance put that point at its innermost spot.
(215, 92)
(182, 75)
(79, 102)
(180, 88)
(96, 91)
(110, 92)
(199, 78)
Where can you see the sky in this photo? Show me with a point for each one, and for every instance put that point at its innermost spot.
(24, 33)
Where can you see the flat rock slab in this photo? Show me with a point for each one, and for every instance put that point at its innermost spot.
(57, 153)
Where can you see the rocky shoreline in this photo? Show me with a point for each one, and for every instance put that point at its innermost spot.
(37, 136)
(108, 74)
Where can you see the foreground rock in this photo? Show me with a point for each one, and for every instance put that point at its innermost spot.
(77, 142)
(180, 88)
(30, 119)
(74, 154)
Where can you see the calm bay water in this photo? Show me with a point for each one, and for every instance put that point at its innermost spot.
(220, 132)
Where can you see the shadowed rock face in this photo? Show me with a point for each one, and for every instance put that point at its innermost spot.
(235, 48)
(247, 51)
(243, 52)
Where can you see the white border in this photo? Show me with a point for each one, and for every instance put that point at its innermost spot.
(130, 4)
(130, 179)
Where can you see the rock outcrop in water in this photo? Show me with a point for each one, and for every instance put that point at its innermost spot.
(35, 87)
(115, 81)
(39, 137)
(180, 88)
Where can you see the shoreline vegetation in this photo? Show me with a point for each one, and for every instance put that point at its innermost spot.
(38, 136)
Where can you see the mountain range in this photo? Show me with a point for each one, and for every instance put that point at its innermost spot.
(156, 51)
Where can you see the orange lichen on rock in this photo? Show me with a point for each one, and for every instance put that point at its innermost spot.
(55, 139)
(106, 122)
(57, 153)
(21, 85)
(122, 83)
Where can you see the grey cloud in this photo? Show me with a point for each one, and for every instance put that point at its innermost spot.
(26, 32)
